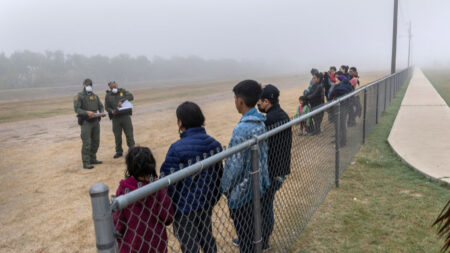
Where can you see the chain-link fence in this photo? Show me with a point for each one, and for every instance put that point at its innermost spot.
(255, 195)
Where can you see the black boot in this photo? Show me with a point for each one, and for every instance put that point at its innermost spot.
(117, 155)
(88, 166)
(96, 162)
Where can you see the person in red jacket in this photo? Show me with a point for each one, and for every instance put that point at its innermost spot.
(142, 225)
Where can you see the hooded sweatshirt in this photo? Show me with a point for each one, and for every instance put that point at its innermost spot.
(236, 182)
(142, 225)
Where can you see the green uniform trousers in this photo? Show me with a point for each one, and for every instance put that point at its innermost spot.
(122, 123)
(90, 135)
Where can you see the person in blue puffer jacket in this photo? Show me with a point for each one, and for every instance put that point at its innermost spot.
(236, 181)
(338, 90)
(195, 196)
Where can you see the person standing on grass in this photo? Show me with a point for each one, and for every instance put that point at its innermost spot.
(142, 225)
(89, 110)
(316, 99)
(121, 119)
(193, 197)
(279, 156)
(236, 180)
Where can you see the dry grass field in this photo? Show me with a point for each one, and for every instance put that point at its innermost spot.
(44, 198)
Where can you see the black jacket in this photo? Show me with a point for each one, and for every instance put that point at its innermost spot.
(316, 95)
(279, 154)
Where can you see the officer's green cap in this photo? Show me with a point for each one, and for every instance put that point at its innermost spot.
(87, 82)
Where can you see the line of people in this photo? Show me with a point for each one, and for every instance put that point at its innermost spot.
(327, 86)
(189, 204)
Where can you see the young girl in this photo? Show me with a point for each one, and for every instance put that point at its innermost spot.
(142, 225)
(303, 108)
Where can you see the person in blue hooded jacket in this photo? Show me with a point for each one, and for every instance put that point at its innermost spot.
(341, 88)
(236, 181)
(193, 197)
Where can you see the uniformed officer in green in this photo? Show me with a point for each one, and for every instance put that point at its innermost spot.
(89, 109)
(121, 119)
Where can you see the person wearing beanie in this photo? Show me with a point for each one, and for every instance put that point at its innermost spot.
(278, 155)
(89, 110)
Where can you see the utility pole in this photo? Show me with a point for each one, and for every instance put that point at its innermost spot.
(394, 38)
(409, 45)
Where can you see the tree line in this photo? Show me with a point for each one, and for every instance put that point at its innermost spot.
(26, 69)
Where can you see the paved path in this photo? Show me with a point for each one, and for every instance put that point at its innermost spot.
(421, 131)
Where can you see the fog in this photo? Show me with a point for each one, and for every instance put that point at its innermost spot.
(289, 35)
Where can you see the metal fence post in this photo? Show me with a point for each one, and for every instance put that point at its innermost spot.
(385, 93)
(103, 221)
(392, 89)
(337, 140)
(376, 109)
(395, 87)
(364, 116)
(257, 236)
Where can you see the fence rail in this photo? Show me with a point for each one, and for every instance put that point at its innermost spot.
(315, 163)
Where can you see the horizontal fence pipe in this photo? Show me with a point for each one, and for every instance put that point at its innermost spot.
(124, 200)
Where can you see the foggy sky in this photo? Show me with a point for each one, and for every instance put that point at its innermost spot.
(303, 33)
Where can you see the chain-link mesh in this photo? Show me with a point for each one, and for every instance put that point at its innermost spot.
(371, 108)
(215, 209)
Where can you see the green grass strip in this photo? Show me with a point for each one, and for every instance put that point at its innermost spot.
(382, 205)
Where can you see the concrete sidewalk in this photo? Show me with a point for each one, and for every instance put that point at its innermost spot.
(421, 131)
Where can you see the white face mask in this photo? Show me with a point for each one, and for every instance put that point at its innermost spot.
(88, 88)
(114, 90)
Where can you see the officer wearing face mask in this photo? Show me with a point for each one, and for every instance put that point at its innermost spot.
(278, 155)
(89, 111)
(121, 120)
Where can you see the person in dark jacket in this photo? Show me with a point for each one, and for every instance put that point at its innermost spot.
(316, 99)
(194, 197)
(326, 82)
(279, 155)
(341, 88)
(311, 82)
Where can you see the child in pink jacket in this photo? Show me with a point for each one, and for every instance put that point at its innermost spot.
(142, 225)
